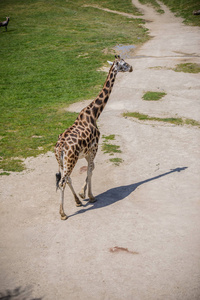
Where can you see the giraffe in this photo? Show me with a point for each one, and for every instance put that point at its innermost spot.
(81, 139)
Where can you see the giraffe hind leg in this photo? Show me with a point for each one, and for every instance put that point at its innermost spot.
(90, 195)
(62, 213)
(69, 164)
(62, 184)
(59, 157)
(88, 183)
(58, 177)
(82, 193)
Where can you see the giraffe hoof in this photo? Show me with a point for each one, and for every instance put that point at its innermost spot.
(79, 204)
(64, 217)
(92, 200)
(82, 195)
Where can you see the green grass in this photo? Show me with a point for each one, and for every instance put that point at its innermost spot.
(110, 137)
(155, 4)
(111, 149)
(153, 96)
(50, 57)
(175, 121)
(187, 68)
(183, 8)
(116, 161)
(119, 5)
(192, 122)
(4, 173)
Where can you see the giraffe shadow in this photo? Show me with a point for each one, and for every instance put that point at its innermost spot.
(18, 293)
(119, 193)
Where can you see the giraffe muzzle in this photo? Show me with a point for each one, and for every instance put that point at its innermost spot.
(131, 69)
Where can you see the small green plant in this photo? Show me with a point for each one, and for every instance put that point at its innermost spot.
(137, 115)
(111, 149)
(109, 137)
(176, 121)
(157, 68)
(192, 122)
(116, 161)
(187, 68)
(153, 96)
(4, 174)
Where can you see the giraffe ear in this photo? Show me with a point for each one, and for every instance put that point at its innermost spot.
(110, 62)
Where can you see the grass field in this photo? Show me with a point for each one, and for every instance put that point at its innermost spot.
(50, 57)
(154, 3)
(182, 8)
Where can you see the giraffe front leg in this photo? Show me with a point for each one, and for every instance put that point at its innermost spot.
(83, 189)
(82, 193)
(89, 179)
(90, 195)
(78, 202)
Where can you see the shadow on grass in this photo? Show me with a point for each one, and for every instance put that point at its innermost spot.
(119, 193)
(7, 32)
(18, 293)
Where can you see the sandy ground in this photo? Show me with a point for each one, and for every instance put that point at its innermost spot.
(140, 240)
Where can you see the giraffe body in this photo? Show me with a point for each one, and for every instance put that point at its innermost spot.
(81, 139)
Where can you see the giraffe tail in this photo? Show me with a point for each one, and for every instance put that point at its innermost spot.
(58, 177)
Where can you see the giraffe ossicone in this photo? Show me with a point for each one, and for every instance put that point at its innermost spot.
(81, 139)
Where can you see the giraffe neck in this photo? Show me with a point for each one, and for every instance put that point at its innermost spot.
(99, 103)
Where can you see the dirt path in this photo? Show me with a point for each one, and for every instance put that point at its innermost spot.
(140, 240)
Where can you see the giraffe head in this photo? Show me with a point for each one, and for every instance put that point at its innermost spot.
(120, 65)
